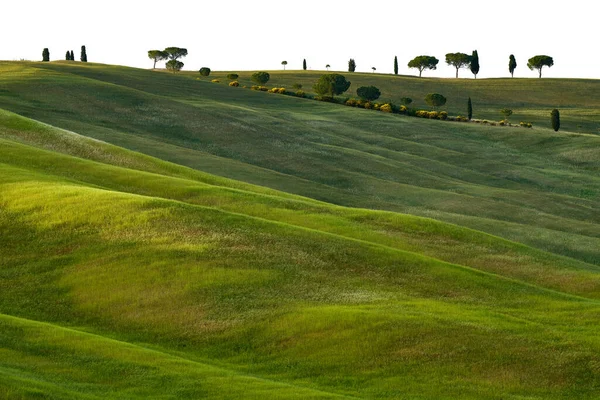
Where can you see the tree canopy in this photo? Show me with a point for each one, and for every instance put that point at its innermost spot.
(458, 60)
(174, 65)
(260, 77)
(368, 93)
(351, 65)
(474, 63)
(205, 71)
(175, 53)
(512, 65)
(331, 84)
(423, 62)
(539, 62)
(157, 55)
(435, 100)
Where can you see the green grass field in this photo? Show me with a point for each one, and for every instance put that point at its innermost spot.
(261, 253)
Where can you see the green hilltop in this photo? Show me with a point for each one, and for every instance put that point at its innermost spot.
(169, 237)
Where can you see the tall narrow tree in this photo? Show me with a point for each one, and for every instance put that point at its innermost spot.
(72, 56)
(304, 64)
(351, 65)
(68, 56)
(83, 54)
(512, 65)
(395, 65)
(555, 117)
(46, 55)
(475, 63)
(469, 109)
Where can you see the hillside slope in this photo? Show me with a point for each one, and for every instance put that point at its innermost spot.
(530, 186)
(123, 276)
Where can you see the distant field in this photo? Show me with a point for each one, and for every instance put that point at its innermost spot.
(125, 276)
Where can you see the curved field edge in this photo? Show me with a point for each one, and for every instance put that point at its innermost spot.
(90, 366)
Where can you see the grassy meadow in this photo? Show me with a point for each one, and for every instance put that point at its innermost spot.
(168, 237)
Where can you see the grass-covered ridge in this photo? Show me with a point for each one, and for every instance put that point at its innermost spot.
(124, 276)
(531, 186)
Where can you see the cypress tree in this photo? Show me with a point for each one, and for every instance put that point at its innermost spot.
(304, 64)
(555, 116)
(469, 109)
(46, 55)
(395, 65)
(475, 63)
(68, 56)
(512, 65)
(72, 56)
(351, 65)
(83, 54)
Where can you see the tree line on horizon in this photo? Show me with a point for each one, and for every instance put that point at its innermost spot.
(69, 56)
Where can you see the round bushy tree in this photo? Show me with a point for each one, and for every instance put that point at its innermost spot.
(174, 65)
(423, 62)
(368, 93)
(539, 62)
(405, 101)
(232, 77)
(261, 77)
(205, 71)
(435, 100)
(331, 84)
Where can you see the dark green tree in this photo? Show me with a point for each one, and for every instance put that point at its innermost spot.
(458, 60)
(435, 100)
(284, 63)
(72, 56)
(512, 65)
(83, 56)
(174, 65)
(232, 77)
(539, 62)
(475, 63)
(423, 62)
(175, 53)
(395, 65)
(304, 64)
(331, 84)
(205, 71)
(405, 101)
(469, 109)
(46, 55)
(351, 65)
(555, 117)
(368, 93)
(327, 67)
(156, 56)
(260, 77)
(68, 56)
(297, 86)
(507, 112)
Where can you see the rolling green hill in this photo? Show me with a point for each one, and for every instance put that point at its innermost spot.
(531, 186)
(128, 276)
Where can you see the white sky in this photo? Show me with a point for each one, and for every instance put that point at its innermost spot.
(250, 35)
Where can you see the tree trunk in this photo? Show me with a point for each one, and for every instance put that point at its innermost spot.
(420, 72)
(540, 72)
(457, 72)
(154, 64)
